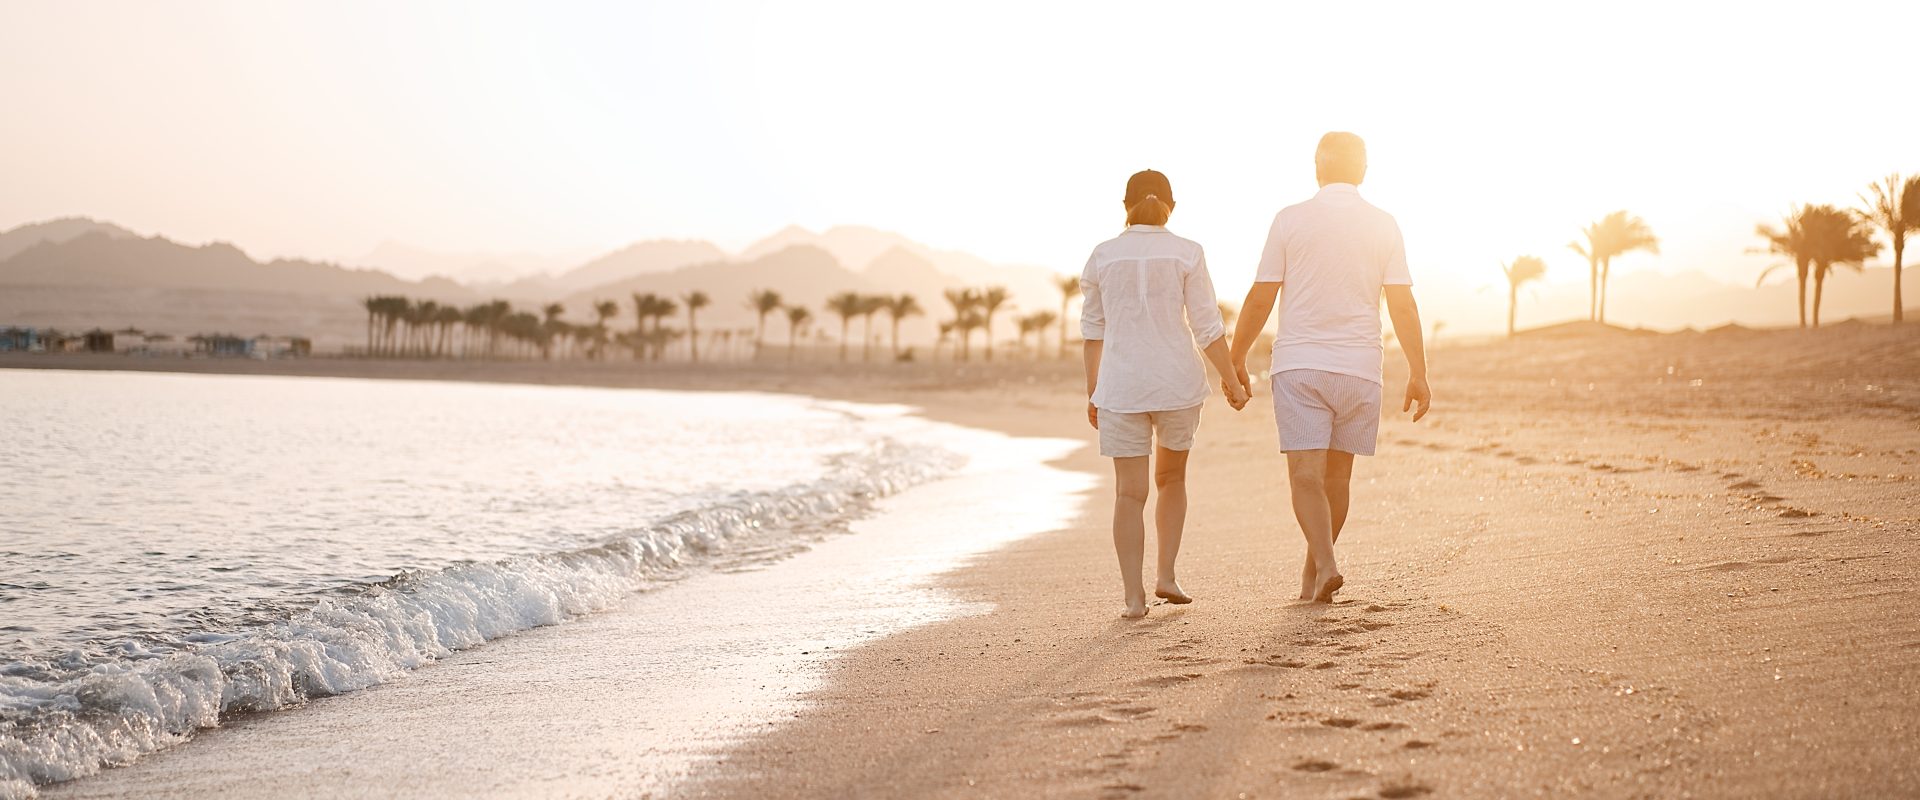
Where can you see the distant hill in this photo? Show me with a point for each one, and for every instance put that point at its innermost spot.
(806, 274)
(102, 278)
(474, 269)
(801, 274)
(859, 247)
(104, 261)
(56, 231)
(639, 258)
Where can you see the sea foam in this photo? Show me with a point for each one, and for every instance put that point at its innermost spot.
(68, 716)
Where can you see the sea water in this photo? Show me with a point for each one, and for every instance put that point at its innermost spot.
(175, 548)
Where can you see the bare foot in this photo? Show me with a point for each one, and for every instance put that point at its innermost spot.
(1327, 588)
(1170, 592)
(1306, 580)
(1135, 609)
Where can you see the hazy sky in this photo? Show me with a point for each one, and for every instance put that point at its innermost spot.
(1006, 129)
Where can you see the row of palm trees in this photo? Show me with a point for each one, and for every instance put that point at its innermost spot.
(399, 326)
(1815, 239)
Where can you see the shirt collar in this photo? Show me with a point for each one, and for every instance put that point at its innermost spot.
(1146, 229)
(1338, 188)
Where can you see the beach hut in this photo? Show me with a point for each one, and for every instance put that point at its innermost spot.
(54, 341)
(221, 345)
(97, 341)
(18, 339)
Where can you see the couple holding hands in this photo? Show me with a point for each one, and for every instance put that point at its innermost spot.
(1149, 312)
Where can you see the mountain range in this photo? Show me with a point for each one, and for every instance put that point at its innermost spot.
(76, 272)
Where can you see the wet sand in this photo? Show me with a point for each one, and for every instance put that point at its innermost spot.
(1610, 566)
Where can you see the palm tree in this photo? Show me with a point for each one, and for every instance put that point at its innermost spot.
(1894, 208)
(1789, 241)
(372, 304)
(1589, 252)
(946, 333)
(1835, 238)
(869, 306)
(1069, 286)
(695, 301)
(420, 321)
(392, 309)
(446, 319)
(848, 305)
(662, 308)
(963, 301)
(990, 301)
(1523, 269)
(797, 318)
(1616, 234)
(969, 322)
(549, 325)
(603, 310)
(763, 302)
(1037, 324)
(898, 308)
(650, 306)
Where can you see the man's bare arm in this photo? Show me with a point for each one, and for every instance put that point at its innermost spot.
(1254, 312)
(1405, 314)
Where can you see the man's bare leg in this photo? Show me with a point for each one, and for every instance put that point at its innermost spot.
(1339, 486)
(1307, 475)
(1169, 519)
(1130, 529)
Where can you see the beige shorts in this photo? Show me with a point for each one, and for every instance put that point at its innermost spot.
(1318, 410)
(1129, 435)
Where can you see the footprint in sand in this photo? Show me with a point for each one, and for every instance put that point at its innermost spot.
(1410, 694)
(1275, 662)
(1382, 726)
(1798, 513)
(1164, 681)
(1315, 765)
(1400, 790)
(1340, 722)
(1417, 744)
(1743, 486)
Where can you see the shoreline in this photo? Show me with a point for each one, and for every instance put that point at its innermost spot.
(724, 651)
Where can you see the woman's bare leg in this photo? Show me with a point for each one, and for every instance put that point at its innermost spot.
(1130, 530)
(1169, 519)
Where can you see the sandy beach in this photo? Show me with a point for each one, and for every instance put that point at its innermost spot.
(1609, 564)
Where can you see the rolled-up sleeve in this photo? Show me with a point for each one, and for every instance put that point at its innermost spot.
(1203, 309)
(1093, 315)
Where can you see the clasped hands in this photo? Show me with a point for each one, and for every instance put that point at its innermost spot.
(1237, 387)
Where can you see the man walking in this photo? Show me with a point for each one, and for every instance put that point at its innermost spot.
(1332, 256)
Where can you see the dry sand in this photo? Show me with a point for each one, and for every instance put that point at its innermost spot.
(1607, 565)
